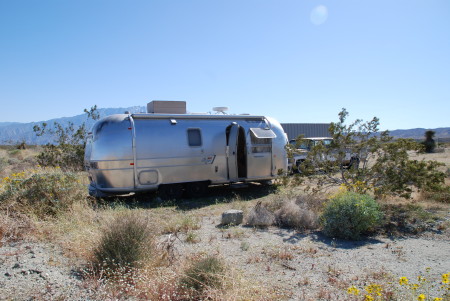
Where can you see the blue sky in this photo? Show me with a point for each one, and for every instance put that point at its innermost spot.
(297, 61)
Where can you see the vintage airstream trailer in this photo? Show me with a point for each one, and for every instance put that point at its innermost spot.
(176, 153)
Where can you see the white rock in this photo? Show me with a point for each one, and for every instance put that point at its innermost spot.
(232, 217)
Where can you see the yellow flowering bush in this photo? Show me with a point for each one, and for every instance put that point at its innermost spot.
(43, 191)
(357, 186)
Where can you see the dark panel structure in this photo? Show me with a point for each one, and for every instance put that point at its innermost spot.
(293, 130)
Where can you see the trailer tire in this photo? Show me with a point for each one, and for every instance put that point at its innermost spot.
(196, 189)
(170, 191)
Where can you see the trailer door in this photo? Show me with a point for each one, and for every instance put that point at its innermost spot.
(232, 148)
(260, 153)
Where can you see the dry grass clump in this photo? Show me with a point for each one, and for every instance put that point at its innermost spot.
(181, 222)
(314, 202)
(205, 273)
(77, 230)
(291, 215)
(299, 212)
(126, 242)
(259, 216)
(441, 195)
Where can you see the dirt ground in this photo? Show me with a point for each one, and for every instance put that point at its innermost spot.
(299, 266)
(310, 266)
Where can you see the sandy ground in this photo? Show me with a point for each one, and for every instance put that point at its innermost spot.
(38, 271)
(307, 266)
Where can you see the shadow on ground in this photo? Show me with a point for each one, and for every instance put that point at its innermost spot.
(294, 237)
(215, 195)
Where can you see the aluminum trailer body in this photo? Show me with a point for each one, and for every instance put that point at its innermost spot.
(144, 152)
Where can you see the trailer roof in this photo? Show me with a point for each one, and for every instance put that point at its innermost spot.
(195, 116)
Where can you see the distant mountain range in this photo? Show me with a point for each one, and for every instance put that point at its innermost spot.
(419, 133)
(15, 132)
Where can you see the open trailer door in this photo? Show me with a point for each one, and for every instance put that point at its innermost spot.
(260, 153)
(236, 153)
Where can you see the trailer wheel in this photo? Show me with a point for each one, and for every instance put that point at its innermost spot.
(196, 189)
(170, 191)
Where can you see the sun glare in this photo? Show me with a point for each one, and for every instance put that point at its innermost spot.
(319, 15)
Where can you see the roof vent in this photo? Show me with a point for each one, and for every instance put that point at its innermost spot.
(220, 109)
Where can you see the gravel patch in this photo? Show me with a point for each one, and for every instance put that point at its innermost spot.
(38, 271)
(312, 266)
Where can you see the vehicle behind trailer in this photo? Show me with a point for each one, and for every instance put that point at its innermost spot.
(303, 147)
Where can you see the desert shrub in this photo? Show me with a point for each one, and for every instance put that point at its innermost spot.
(313, 202)
(407, 218)
(276, 201)
(205, 273)
(41, 192)
(440, 194)
(348, 215)
(291, 215)
(192, 237)
(66, 156)
(259, 216)
(67, 150)
(384, 169)
(429, 143)
(13, 161)
(125, 243)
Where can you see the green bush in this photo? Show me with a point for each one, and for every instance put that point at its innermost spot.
(207, 272)
(127, 242)
(349, 215)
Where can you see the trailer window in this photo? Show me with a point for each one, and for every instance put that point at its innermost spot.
(194, 137)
